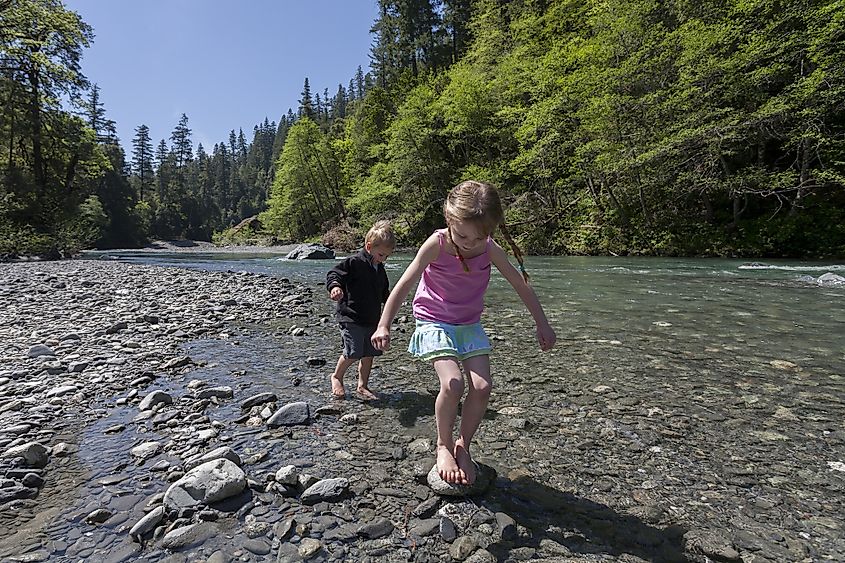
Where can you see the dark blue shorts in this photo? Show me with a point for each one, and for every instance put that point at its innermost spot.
(356, 341)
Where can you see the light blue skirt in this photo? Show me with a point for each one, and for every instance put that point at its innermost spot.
(433, 339)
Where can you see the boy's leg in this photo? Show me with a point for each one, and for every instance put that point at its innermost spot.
(445, 411)
(336, 379)
(480, 385)
(365, 366)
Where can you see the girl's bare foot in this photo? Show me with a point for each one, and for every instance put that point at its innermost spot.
(366, 394)
(338, 392)
(465, 464)
(447, 468)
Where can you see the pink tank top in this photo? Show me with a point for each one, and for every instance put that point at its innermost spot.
(448, 294)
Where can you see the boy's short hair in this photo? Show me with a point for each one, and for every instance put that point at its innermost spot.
(381, 233)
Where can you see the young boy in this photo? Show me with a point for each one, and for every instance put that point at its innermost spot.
(359, 285)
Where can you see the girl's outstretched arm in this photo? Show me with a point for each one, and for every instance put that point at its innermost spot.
(427, 253)
(545, 334)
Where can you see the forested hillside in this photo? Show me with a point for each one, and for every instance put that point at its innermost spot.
(694, 128)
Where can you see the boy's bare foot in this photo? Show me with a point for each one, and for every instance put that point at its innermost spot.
(446, 466)
(465, 464)
(366, 394)
(338, 392)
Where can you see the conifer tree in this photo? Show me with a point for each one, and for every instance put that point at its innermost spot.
(306, 103)
(182, 147)
(142, 159)
(359, 82)
(95, 113)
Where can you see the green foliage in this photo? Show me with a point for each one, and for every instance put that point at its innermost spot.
(635, 127)
(306, 191)
(376, 197)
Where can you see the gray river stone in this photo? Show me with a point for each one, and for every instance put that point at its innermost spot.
(484, 477)
(188, 536)
(224, 392)
(325, 489)
(258, 399)
(210, 482)
(153, 398)
(40, 350)
(146, 524)
(33, 453)
(291, 414)
(310, 252)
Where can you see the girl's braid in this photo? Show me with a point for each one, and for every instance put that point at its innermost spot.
(516, 251)
(458, 250)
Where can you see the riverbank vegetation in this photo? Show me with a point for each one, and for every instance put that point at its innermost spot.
(703, 128)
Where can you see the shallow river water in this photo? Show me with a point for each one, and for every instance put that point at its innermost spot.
(683, 394)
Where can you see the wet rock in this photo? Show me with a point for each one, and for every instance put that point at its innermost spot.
(224, 392)
(256, 546)
(310, 252)
(325, 489)
(210, 482)
(258, 399)
(291, 414)
(507, 526)
(376, 528)
(448, 532)
(188, 536)
(462, 547)
(146, 450)
(287, 475)
(309, 547)
(427, 527)
(155, 398)
(98, 516)
(33, 454)
(146, 524)
(40, 350)
(483, 479)
(710, 545)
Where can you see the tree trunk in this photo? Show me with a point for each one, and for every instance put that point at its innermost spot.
(35, 117)
(803, 177)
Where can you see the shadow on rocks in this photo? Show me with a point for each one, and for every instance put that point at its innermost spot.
(577, 525)
(411, 405)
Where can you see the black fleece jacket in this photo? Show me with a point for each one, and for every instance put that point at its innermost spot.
(364, 287)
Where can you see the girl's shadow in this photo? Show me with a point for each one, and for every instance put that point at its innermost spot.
(579, 525)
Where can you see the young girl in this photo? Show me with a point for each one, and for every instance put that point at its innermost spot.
(454, 264)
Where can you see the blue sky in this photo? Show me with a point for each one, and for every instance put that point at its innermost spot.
(226, 65)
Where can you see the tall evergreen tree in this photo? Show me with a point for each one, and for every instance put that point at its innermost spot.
(306, 102)
(95, 113)
(142, 159)
(182, 146)
(359, 82)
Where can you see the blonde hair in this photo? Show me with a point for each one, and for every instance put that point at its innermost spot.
(381, 233)
(478, 203)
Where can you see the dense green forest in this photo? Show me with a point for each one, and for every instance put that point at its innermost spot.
(707, 127)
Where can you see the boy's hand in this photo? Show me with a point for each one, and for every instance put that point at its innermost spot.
(381, 339)
(546, 337)
(336, 294)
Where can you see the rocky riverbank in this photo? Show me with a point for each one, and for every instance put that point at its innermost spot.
(152, 414)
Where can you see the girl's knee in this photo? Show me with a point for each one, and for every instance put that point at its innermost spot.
(483, 387)
(453, 386)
